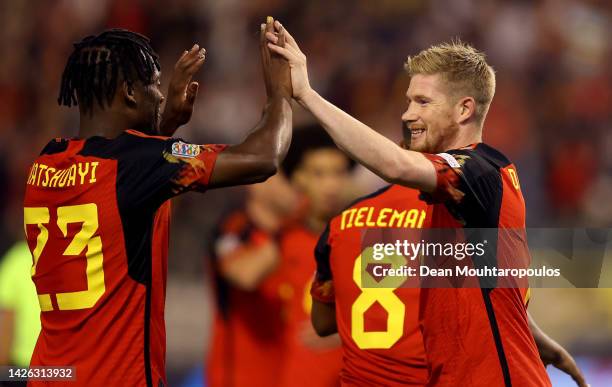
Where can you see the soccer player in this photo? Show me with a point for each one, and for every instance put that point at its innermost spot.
(96, 207)
(472, 336)
(248, 335)
(379, 327)
(320, 172)
(19, 309)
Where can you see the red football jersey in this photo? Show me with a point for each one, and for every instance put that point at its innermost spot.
(479, 336)
(96, 216)
(313, 363)
(248, 346)
(379, 327)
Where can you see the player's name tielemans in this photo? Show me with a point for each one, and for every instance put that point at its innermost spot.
(49, 373)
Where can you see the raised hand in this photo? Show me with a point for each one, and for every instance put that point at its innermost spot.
(289, 50)
(277, 75)
(182, 91)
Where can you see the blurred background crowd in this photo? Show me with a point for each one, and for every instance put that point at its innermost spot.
(551, 113)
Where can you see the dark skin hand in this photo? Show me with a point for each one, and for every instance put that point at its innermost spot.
(553, 353)
(182, 92)
(252, 161)
(323, 318)
(260, 154)
(324, 322)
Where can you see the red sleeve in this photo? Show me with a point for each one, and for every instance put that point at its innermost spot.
(154, 169)
(195, 172)
(447, 181)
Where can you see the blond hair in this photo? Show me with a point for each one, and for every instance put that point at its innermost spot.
(463, 67)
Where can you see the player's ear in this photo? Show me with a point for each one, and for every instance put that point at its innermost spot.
(129, 93)
(465, 109)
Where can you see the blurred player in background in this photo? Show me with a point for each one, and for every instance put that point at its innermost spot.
(19, 309)
(473, 336)
(379, 327)
(320, 172)
(248, 339)
(96, 207)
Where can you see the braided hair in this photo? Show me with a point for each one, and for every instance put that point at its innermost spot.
(94, 67)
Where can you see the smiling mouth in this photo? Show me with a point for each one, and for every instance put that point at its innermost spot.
(416, 132)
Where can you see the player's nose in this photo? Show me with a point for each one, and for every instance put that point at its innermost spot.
(409, 116)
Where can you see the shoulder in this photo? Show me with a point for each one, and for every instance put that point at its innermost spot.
(129, 143)
(480, 156)
(57, 145)
(136, 134)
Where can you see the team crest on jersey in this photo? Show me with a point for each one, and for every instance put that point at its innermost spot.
(182, 149)
(461, 159)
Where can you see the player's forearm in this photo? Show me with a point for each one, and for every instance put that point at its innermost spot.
(260, 154)
(323, 318)
(247, 270)
(362, 143)
(276, 129)
(547, 347)
(270, 139)
(376, 152)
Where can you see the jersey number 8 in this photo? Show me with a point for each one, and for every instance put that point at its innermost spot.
(389, 301)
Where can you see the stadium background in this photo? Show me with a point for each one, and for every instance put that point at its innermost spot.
(551, 114)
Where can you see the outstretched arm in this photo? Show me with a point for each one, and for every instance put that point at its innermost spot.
(553, 353)
(376, 152)
(260, 154)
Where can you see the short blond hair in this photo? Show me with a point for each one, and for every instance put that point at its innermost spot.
(463, 67)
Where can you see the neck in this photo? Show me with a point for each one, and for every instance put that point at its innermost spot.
(103, 123)
(466, 135)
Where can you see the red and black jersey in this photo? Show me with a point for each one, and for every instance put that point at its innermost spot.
(248, 340)
(96, 216)
(379, 327)
(310, 360)
(480, 336)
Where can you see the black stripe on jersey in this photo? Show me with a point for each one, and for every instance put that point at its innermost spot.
(55, 146)
(136, 220)
(321, 253)
(486, 295)
(485, 186)
(492, 155)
